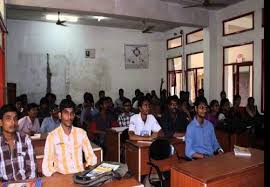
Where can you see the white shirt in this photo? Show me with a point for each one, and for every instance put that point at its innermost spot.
(140, 128)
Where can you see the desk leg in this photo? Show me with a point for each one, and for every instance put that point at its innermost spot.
(139, 165)
(119, 148)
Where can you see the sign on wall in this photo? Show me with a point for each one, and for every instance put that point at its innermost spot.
(136, 56)
(90, 53)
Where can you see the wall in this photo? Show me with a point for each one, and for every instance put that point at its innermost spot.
(29, 41)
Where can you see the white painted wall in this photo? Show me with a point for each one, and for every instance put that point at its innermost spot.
(213, 43)
(29, 41)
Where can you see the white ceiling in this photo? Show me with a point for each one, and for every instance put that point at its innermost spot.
(86, 18)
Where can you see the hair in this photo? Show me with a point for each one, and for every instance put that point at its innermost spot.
(31, 106)
(7, 108)
(141, 100)
(223, 101)
(54, 107)
(172, 98)
(250, 98)
(65, 103)
(121, 90)
(126, 101)
(43, 100)
(213, 102)
(222, 92)
(201, 89)
(88, 97)
(200, 100)
(19, 99)
(236, 96)
(101, 91)
(102, 100)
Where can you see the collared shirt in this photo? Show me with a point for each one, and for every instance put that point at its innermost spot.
(26, 125)
(49, 124)
(19, 164)
(141, 128)
(88, 114)
(63, 153)
(124, 119)
(200, 138)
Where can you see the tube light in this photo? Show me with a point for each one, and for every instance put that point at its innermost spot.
(53, 17)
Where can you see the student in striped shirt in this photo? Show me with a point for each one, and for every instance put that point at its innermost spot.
(17, 158)
(64, 145)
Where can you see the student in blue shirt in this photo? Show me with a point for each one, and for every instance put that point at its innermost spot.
(200, 135)
(52, 122)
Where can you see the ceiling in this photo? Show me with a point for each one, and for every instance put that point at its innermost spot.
(86, 18)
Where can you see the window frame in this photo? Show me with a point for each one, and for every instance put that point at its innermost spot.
(173, 39)
(237, 17)
(262, 17)
(262, 79)
(175, 71)
(247, 63)
(197, 30)
(192, 69)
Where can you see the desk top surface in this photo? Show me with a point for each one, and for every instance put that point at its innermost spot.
(67, 181)
(215, 167)
(145, 144)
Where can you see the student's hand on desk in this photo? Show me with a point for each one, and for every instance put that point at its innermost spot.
(178, 134)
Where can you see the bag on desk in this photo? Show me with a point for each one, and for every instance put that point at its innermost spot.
(96, 177)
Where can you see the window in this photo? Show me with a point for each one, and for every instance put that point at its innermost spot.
(174, 42)
(262, 79)
(175, 76)
(194, 36)
(195, 74)
(238, 71)
(238, 24)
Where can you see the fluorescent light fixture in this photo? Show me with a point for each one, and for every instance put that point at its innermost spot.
(54, 17)
(99, 18)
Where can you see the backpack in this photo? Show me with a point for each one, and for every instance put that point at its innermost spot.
(119, 173)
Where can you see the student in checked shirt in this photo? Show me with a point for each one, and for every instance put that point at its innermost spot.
(64, 145)
(17, 158)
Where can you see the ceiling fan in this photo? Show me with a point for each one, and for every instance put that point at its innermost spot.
(208, 4)
(147, 28)
(58, 22)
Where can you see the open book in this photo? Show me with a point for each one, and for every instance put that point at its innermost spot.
(102, 168)
(241, 151)
(26, 183)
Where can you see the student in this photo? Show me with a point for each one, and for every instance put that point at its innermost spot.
(52, 122)
(174, 121)
(19, 106)
(119, 102)
(212, 116)
(43, 109)
(64, 145)
(236, 111)
(30, 124)
(17, 158)
(124, 118)
(224, 110)
(101, 94)
(200, 135)
(143, 126)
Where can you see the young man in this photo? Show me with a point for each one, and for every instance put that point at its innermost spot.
(124, 118)
(173, 121)
(200, 135)
(52, 122)
(143, 126)
(120, 100)
(30, 124)
(17, 158)
(64, 145)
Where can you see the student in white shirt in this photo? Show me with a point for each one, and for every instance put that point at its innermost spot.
(143, 126)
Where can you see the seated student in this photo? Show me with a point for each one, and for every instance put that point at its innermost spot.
(17, 156)
(124, 118)
(183, 107)
(64, 145)
(236, 111)
(119, 102)
(19, 106)
(200, 135)
(44, 110)
(101, 94)
(173, 121)
(29, 124)
(224, 110)
(52, 122)
(212, 116)
(143, 126)
(251, 109)
(156, 110)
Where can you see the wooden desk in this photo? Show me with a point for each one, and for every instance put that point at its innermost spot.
(221, 170)
(137, 156)
(113, 143)
(59, 180)
(228, 139)
(39, 145)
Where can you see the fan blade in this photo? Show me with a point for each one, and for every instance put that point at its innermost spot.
(216, 5)
(148, 29)
(190, 6)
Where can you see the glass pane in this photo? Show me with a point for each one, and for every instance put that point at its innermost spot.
(245, 83)
(239, 54)
(179, 82)
(196, 36)
(175, 83)
(172, 82)
(195, 60)
(191, 85)
(176, 42)
(175, 64)
(228, 82)
(200, 78)
(239, 24)
(2, 8)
